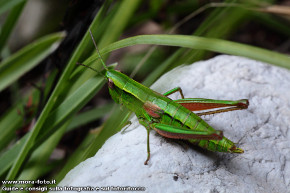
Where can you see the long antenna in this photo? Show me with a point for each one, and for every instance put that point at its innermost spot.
(93, 69)
(88, 67)
(98, 50)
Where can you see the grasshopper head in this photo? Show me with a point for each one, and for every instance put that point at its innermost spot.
(234, 149)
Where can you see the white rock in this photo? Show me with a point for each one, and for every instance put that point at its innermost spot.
(262, 130)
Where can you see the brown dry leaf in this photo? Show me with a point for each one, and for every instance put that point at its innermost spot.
(277, 9)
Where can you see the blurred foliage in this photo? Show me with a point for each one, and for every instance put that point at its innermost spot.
(48, 102)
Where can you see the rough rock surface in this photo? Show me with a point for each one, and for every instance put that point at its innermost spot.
(262, 130)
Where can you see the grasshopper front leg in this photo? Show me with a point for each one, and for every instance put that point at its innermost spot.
(147, 126)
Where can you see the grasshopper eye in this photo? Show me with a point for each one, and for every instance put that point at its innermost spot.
(111, 83)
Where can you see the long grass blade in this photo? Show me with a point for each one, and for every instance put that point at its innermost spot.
(28, 57)
(6, 5)
(195, 42)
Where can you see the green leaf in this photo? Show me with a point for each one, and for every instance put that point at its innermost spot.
(28, 57)
(5, 5)
(36, 166)
(111, 126)
(195, 42)
(10, 22)
(89, 116)
(9, 123)
(76, 157)
(59, 116)
(55, 99)
(8, 157)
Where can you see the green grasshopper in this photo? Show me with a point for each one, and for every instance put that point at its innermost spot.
(170, 118)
